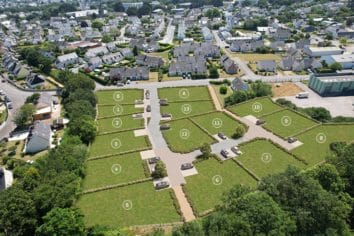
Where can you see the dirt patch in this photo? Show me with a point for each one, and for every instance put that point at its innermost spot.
(285, 89)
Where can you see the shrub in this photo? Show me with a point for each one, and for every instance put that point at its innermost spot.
(160, 170)
(239, 132)
(223, 90)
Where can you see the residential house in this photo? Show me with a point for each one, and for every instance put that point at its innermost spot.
(97, 51)
(229, 65)
(245, 44)
(34, 80)
(94, 63)
(66, 60)
(267, 65)
(207, 35)
(188, 66)
(239, 85)
(43, 107)
(282, 34)
(112, 58)
(39, 138)
(126, 73)
(149, 61)
(126, 52)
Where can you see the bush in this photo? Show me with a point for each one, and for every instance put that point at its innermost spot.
(160, 170)
(223, 90)
(239, 132)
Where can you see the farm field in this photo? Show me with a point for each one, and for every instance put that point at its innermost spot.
(256, 107)
(205, 190)
(186, 109)
(316, 141)
(119, 123)
(287, 123)
(137, 204)
(113, 170)
(263, 158)
(114, 110)
(217, 122)
(107, 145)
(184, 136)
(197, 93)
(122, 96)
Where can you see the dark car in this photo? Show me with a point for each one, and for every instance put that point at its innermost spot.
(164, 127)
(186, 166)
(260, 122)
(222, 136)
(162, 185)
(225, 153)
(148, 108)
(154, 160)
(166, 115)
(292, 140)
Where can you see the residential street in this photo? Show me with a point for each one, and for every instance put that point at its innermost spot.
(170, 33)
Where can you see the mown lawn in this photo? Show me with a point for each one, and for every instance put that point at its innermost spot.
(207, 188)
(256, 107)
(287, 123)
(217, 122)
(188, 108)
(263, 158)
(103, 144)
(113, 170)
(127, 96)
(184, 93)
(179, 141)
(119, 123)
(108, 111)
(145, 206)
(316, 141)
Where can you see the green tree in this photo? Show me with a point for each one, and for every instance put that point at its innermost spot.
(106, 38)
(78, 108)
(343, 41)
(223, 90)
(135, 51)
(160, 170)
(318, 113)
(33, 98)
(17, 212)
(84, 127)
(261, 89)
(62, 221)
(336, 66)
(132, 11)
(328, 176)
(97, 24)
(118, 7)
(315, 210)
(213, 72)
(239, 132)
(205, 149)
(193, 228)
(81, 94)
(145, 9)
(24, 115)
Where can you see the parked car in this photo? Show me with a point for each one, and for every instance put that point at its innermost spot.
(166, 115)
(9, 105)
(236, 150)
(164, 127)
(260, 122)
(303, 95)
(186, 166)
(2, 92)
(154, 160)
(225, 153)
(292, 140)
(148, 108)
(222, 136)
(162, 185)
(147, 94)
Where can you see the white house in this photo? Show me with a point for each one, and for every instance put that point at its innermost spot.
(66, 60)
(38, 138)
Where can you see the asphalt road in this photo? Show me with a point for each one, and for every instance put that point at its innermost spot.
(170, 33)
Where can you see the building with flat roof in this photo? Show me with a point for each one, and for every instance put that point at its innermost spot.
(332, 85)
(346, 60)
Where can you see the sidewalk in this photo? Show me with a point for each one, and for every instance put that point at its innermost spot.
(186, 209)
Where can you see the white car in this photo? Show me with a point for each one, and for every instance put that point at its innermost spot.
(236, 150)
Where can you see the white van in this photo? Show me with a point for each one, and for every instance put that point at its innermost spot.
(303, 95)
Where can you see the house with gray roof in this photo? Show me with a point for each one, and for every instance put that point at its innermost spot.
(267, 65)
(239, 85)
(149, 61)
(245, 44)
(66, 60)
(39, 138)
(34, 80)
(126, 73)
(229, 65)
(112, 58)
(97, 51)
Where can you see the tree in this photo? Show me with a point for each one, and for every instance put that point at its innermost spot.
(33, 98)
(81, 94)
(315, 210)
(212, 13)
(132, 11)
(24, 115)
(145, 9)
(343, 41)
(223, 90)
(336, 66)
(193, 228)
(160, 170)
(261, 89)
(84, 127)
(106, 38)
(217, 3)
(213, 72)
(205, 149)
(239, 132)
(17, 212)
(97, 24)
(318, 113)
(118, 7)
(62, 221)
(135, 51)
(78, 108)
(328, 176)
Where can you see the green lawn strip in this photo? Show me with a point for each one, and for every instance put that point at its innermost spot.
(113, 170)
(175, 94)
(147, 206)
(196, 108)
(119, 123)
(315, 148)
(107, 111)
(195, 140)
(201, 189)
(256, 107)
(263, 158)
(217, 122)
(128, 96)
(286, 123)
(101, 146)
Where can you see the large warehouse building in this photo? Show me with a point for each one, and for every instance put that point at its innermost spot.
(332, 85)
